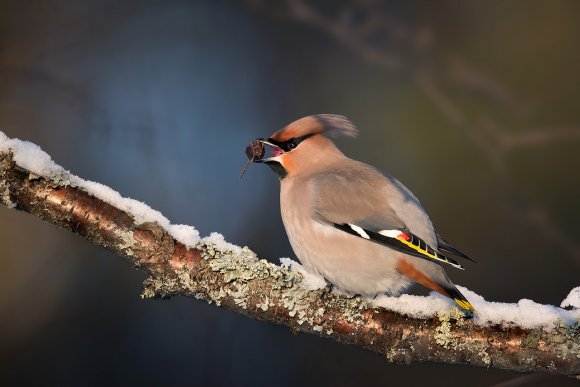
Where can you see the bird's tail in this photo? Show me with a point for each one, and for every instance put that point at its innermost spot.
(436, 280)
(460, 300)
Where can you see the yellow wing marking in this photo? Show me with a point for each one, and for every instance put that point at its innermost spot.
(424, 252)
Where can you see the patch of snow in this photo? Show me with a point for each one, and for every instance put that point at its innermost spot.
(311, 280)
(184, 233)
(573, 299)
(414, 306)
(525, 313)
(216, 239)
(29, 156)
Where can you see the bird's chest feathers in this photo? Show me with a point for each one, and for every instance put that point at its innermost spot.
(297, 206)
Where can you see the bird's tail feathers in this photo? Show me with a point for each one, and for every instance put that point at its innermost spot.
(460, 300)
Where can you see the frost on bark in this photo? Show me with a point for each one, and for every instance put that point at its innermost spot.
(238, 280)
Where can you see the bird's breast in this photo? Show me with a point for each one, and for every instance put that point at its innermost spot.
(350, 263)
(297, 204)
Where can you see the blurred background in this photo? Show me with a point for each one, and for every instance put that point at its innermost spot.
(473, 105)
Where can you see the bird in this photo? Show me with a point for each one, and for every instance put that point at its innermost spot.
(359, 228)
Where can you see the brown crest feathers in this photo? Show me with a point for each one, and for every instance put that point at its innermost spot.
(328, 124)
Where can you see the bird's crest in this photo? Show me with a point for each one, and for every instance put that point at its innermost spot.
(328, 124)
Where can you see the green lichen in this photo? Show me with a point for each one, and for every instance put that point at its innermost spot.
(148, 291)
(128, 241)
(239, 271)
(566, 339)
(33, 176)
(444, 335)
(532, 340)
(163, 285)
(482, 353)
(5, 195)
(391, 355)
(264, 305)
(299, 301)
(185, 280)
(239, 267)
(61, 178)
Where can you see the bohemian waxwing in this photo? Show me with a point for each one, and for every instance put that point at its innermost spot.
(362, 230)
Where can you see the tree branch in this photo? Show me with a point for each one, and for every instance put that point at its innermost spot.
(234, 278)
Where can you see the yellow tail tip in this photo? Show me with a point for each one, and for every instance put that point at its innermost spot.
(464, 304)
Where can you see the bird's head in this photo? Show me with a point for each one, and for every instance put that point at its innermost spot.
(303, 146)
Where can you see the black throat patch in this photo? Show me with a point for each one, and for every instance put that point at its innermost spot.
(277, 168)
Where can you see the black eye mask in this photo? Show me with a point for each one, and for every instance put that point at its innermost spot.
(291, 144)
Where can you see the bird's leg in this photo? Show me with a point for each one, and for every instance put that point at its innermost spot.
(328, 288)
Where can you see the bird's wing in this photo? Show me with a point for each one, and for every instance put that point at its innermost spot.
(354, 204)
(446, 247)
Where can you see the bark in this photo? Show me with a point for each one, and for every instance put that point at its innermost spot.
(237, 280)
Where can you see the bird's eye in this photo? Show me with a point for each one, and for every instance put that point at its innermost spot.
(291, 144)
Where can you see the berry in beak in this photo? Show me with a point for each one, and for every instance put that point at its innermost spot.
(261, 151)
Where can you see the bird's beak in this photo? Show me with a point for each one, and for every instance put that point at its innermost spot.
(263, 150)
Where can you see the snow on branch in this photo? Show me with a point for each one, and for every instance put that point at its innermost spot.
(526, 336)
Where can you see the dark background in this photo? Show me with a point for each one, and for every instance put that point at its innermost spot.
(472, 104)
